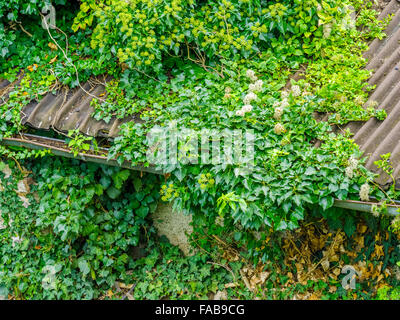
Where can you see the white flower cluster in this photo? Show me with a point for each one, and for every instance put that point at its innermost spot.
(250, 96)
(279, 107)
(2, 223)
(296, 91)
(353, 162)
(16, 239)
(327, 29)
(240, 113)
(375, 210)
(372, 104)
(353, 165)
(349, 172)
(279, 128)
(256, 86)
(278, 113)
(364, 192)
(284, 103)
(395, 222)
(359, 100)
(228, 91)
(245, 108)
(251, 75)
(220, 221)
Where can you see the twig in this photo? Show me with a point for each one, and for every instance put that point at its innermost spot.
(19, 166)
(324, 258)
(68, 59)
(134, 68)
(129, 292)
(246, 281)
(23, 29)
(294, 245)
(225, 267)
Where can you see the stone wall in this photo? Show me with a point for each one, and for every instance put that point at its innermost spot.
(174, 225)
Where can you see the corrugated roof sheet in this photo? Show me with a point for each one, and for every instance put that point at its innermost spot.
(380, 137)
(67, 110)
(70, 109)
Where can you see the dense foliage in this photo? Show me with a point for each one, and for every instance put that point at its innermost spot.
(142, 32)
(198, 65)
(77, 227)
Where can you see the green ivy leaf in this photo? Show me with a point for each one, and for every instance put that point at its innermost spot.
(84, 266)
(113, 192)
(326, 202)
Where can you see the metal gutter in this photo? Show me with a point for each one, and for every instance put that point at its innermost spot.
(392, 209)
(65, 152)
(362, 206)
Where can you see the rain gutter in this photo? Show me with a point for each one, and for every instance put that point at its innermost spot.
(364, 206)
(24, 141)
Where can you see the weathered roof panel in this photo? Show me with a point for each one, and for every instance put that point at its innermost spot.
(67, 110)
(379, 137)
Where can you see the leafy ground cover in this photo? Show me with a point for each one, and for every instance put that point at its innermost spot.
(73, 235)
(75, 222)
(199, 64)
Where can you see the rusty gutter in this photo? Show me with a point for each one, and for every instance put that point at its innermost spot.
(362, 206)
(65, 152)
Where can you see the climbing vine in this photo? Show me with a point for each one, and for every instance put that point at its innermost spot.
(216, 65)
(66, 228)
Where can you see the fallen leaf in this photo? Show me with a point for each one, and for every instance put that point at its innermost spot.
(52, 46)
(332, 289)
(325, 265)
(53, 60)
